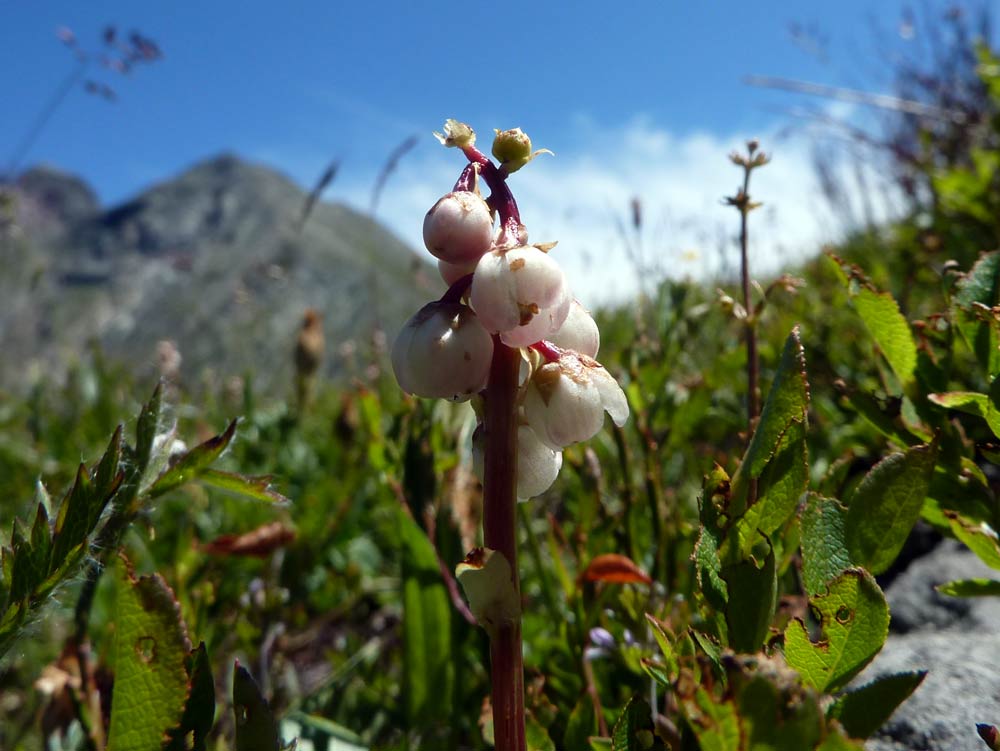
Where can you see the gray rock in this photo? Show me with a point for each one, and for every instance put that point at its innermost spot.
(957, 642)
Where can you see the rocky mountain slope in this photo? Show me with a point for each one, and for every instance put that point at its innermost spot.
(215, 260)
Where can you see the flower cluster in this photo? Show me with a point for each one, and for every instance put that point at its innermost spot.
(505, 292)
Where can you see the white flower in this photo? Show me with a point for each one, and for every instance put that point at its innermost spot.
(452, 272)
(566, 400)
(537, 464)
(513, 287)
(443, 352)
(579, 332)
(459, 228)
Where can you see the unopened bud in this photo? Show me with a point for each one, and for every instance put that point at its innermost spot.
(513, 149)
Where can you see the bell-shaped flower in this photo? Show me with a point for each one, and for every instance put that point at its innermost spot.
(513, 287)
(443, 352)
(565, 400)
(579, 332)
(537, 464)
(459, 228)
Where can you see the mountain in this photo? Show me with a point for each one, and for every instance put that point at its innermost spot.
(216, 260)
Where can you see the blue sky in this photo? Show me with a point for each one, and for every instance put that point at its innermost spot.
(646, 101)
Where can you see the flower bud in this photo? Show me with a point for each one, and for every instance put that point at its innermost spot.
(459, 228)
(579, 332)
(443, 352)
(512, 148)
(566, 400)
(511, 287)
(537, 464)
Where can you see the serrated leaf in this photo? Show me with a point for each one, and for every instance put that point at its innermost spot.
(970, 588)
(25, 573)
(192, 464)
(256, 728)
(864, 710)
(63, 571)
(72, 526)
(883, 415)
(824, 550)
(199, 708)
(977, 293)
(427, 657)
(257, 488)
(666, 644)
(886, 505)
(779, 439)
(854, 623)
(151, 646)
(633, 730)
(753, 594)
(706, 552)
(980, 538)
(890, 330)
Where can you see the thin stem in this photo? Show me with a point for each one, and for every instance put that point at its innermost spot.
(500, 534)
(46, 113)
(753, 365)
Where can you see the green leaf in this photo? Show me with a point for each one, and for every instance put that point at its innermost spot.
(199, 709)
(601, 744)
(885, 415)
(714, 722)
(41, 539)
(329, 728)
(256, 728)
(633, 730)
(257, 488)
(706, 553)
(779, 715)
(537, 737)
(72, 523)
(582, 723)
(977, 293)
(970, 588)
(753, 594)
(107, 477)
(974, 403)
(776, 456)
(979, 538)
(824, 551)
(854, 620)
(190, 466)
(151, 647)
(886, 505)
(864, 710)
(427, 654)
(147, 428)
(837, 741)
(890, 330)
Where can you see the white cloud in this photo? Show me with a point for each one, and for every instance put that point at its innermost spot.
(582, 199)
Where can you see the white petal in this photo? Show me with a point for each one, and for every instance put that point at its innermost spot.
(459, 228)
(452, 272)
(541, 326)
(578, 332)
(537, 464)
(612, 396)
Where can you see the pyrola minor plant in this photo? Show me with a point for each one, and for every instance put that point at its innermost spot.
(509, 335)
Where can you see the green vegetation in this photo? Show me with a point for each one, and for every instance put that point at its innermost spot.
(740, 596)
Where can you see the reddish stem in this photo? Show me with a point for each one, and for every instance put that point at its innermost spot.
(457, 291)
(500, 534)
